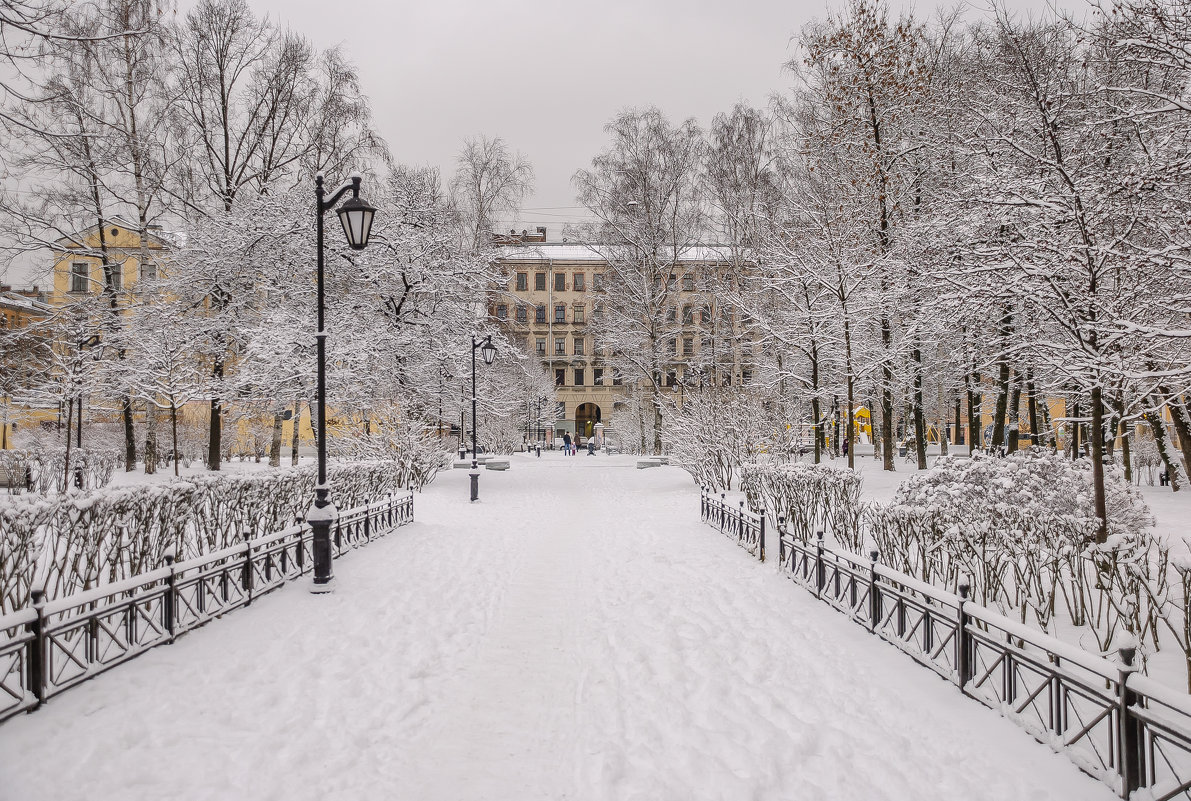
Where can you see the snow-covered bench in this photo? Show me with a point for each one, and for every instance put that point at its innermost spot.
(652, 461)
(497, 464)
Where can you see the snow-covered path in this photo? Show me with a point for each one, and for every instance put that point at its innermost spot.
(576, 634)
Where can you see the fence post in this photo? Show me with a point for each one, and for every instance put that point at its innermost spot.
(761, 536)
(740, 523)
(37, 650)
(874, 591)
(246, 578)
(368, 512)
(820, 573)
(781, 541)
(702, 503)
(298, 554)
(168, 610)
(723, 510)
(962, 644)
(1132, 762)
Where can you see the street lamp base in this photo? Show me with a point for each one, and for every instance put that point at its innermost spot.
(475, 483)
(320, 589)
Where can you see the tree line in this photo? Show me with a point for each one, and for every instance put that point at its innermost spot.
(942, 215)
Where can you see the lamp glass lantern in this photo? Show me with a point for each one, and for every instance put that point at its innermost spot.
(356, 216)
(488, 351)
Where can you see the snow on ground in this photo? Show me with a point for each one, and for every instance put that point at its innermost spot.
(576, 634)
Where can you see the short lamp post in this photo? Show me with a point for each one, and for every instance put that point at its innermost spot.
(356, 217)
(488, 350)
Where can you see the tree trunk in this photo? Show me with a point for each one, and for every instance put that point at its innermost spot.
(1014, 433)
(975, 398)
(1002, 408)
(1098, 463)
(835, 427)
(214, 437)
(1032, 407)
(919, 416)
(818, 424)
(150, 438)
(959, 430)
(275, 444)
(129, 435)
(174, 427)
(1126, 439)
(1182, 429)
(1154, 418)
(294, 439)
(1073, 421)
(887, 397)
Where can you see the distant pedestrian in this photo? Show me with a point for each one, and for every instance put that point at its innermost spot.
(566, 444)
(591, 446)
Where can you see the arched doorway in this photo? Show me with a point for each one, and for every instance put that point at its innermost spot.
(586, 416)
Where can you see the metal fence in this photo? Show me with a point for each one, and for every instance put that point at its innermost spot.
(51, 647)
(1117, 725)
(746, 528)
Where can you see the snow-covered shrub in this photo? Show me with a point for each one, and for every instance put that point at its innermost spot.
(416, 453)
(46, 464)
(78, 540)
(716, 430)
(810, 497)
(1033, 482)
(1021, 529)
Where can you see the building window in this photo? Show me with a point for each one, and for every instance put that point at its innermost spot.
(688, 282)
(116, 271)
(560, 377)
(706, 315)
(578, 314)
(578, 376)
(671, 379)
(671, 314)
(560, 313)
(79, 277)
(617, 378)
(502, 311)
(578, 346)
(672, 346)
(746, 376)
(560, 282)
(539, 282)
(597, 282)
(688, 346)
(598, 312)
(541, 346)
(560, 347)
(726, 379)
(522, 282)
(521, 314)
(597, 375)
(148, 271)
(539, 315)
(579, 283)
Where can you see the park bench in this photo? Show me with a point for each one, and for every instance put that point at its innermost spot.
(652, 461)
(497, 464)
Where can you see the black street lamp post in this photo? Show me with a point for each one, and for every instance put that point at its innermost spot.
(356, 217)
(488, 350)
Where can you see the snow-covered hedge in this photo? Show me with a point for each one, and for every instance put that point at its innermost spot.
(79, 540)
(810, 497)
(47, 466)
(1021, 529)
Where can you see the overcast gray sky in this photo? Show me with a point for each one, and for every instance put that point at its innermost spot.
(546, 77)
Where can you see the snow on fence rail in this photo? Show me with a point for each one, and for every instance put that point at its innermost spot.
(1118, 726)
(51, 647)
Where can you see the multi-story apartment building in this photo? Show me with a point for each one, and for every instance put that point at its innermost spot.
(79, 268)
(551, 305)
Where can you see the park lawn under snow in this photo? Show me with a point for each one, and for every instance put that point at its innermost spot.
(576, 634)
